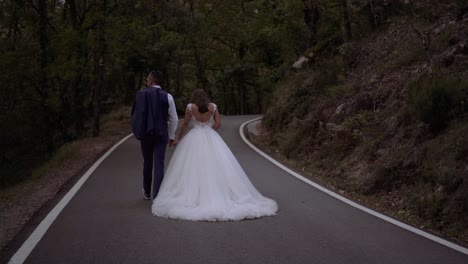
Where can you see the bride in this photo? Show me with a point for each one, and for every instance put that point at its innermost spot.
(204, 181)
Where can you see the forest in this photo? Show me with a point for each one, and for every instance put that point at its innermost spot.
(65, 63)
(381, 86)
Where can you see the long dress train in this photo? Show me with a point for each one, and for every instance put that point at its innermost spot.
(204, 181)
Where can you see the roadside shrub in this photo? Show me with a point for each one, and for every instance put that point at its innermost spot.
(437, 100)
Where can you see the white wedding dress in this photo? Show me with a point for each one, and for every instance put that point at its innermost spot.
(204, 181)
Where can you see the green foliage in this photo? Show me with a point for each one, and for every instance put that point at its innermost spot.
(437, 100)
(329, 71)
(237, 84)
(45, 107)
(443, 176)
(239, 51)
(295, 98)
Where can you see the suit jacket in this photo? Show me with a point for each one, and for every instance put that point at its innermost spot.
(150, 113)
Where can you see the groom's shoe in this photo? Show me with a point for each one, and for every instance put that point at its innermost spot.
(147, 197)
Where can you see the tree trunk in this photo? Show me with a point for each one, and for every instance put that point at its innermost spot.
(14, 28)
(311, 19)
(78, 108)
(179, 77)
(201, 76)
(225, 103)
(375, 13)
(258, 92)
(371, 15)
(44, 78)
(202, 81)
(100, 67)
(346, 21)
(167, 82)
(241, 98)
(240, 82)
(192, 13)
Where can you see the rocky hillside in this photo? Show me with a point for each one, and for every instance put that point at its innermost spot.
(385, 118)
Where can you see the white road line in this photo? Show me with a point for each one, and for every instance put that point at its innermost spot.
(345, 200)
(28, 246)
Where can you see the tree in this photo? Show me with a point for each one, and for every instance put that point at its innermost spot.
(43, 88)
(68, 62)
(346, 21)
(99, 65)
(311, 19)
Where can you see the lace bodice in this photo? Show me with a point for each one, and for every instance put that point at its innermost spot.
(196, 123)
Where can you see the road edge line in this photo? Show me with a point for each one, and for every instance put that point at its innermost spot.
(347, 201)
(23, 252)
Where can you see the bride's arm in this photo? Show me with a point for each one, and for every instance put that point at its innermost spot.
(184, 126)
(217, 120)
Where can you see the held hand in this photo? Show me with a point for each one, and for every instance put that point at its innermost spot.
(173, 142)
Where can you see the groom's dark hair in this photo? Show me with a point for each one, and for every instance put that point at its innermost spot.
(157, 76)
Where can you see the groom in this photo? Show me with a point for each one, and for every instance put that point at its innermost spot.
(154, 122)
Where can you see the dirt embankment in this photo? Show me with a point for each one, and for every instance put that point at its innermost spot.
(384, 120)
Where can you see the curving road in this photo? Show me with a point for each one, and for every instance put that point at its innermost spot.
(107, 221)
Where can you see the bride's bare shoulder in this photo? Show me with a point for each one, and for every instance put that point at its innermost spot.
(194, 106)
(212, 107)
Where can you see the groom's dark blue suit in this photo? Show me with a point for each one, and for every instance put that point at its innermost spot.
(149, 125)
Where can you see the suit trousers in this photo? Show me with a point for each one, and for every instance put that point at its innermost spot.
(153, 149)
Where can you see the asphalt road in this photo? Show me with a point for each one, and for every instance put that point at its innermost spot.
(108, 221)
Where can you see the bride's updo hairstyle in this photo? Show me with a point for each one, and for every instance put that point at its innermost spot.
(200, 98)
